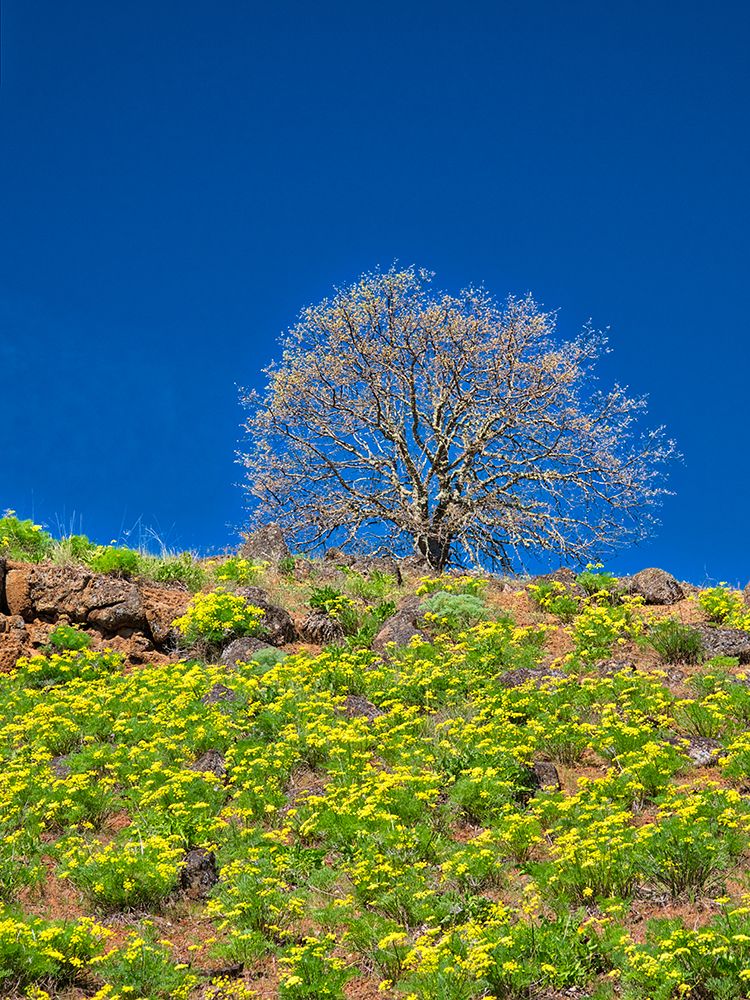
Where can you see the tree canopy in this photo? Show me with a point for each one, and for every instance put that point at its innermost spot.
(454, 426)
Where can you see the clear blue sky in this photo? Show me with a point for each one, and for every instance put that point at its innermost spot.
(178, 179)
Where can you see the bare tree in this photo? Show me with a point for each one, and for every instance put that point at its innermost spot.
(452, 425)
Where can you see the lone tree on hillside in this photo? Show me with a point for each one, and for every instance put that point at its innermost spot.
(452, 425)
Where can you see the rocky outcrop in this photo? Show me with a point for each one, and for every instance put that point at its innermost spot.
(401, 627)
(720, 641)
(655, 586)
(321, 629)
(278, 627)
(267, 544)
(241, 650)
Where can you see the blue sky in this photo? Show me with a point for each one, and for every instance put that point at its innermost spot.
(178, 180)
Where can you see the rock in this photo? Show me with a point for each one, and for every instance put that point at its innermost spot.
(355, 706)
(219, 692)
(401, 627)
(47, 591)
(115, 604)
(545, 776)
(266, 544)
(720, 641)
(522, 675)
(703, 752)
(241, 650)
(321, 629)
(14, 641)
(60, 767)
(745, 592)
(198, 872)
(161, 605)
(277, 622)
(655, 586)
(3, 605)
(606, 668)
(212, 762)
(337, 555)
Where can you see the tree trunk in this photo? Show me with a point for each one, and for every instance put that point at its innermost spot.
(435, 549)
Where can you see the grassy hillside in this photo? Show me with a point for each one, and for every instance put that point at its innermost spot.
(544, 793)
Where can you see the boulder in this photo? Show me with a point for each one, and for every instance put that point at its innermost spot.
(401, 627)
(377, 564)
(720, 641)
(3, 605)
(241, 650)
(338, 556)
(198, 872)
(115, 604)
(544, 776)
(266, 544)
(321, 629)
(277, 622)
(701, 750)
(655, 586)
(47, 591)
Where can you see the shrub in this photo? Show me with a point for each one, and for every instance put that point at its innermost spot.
(675, 642)
(376, 586)
(217, 617)
(73, 548)
(330, 601)
(115, 560)
(454, 612)
(599, 628)
(67, 638)
(23, 540)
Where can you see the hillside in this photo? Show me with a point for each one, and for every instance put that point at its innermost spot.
(324, 778)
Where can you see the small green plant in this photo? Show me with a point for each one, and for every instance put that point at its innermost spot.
(376, 586)
(143, 967)
(725, 607)
(81, 664)
(473, 585)
(675, 642)
(600, 627)
(312, 973)
(595, 582)
(240, 571)
(23, 540)
(73, 549)
(287, 566)
(115, 560)
(124, 873)
(555, 598)
(454, 612)
(34, 950)
(181, 568)
(330, 601)
(67, 638)
(217, 617)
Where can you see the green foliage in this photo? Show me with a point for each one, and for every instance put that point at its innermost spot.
(71, 664)
(376, 586)
(675, 642)
(312, 973)
(725, 607)
(593, 581)
(68, 638)
(118, 561)
(454, 612)
(181, 568)
(218, 617)
(555, 598)
(23, 540)
(473, 585)
(600, 627)
(33, 950)
(143, 967)
(239, 571)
